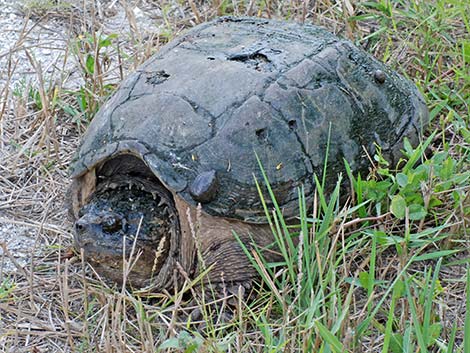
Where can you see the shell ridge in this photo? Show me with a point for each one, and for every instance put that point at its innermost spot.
(237, 104)
(304, 81)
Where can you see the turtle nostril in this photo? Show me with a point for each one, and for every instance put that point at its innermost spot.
(79, 227)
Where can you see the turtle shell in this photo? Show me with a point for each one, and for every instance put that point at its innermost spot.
(201, 110)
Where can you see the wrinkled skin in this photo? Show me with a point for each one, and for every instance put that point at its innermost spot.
(121, 198)
(193, 121)
(122, 217)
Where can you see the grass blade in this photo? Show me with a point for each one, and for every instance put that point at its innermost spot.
(329, 338)
(466, 340)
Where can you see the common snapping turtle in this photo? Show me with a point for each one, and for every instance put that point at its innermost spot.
(186, 127)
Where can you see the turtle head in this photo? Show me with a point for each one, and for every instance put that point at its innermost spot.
(127, 218)
(97, 222)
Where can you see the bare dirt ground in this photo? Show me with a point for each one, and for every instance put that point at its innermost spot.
(31, 198)
(36, 145)
(35, 54)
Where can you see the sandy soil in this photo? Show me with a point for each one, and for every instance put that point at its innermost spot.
(36, 148)
(31, 201)
(19, 235)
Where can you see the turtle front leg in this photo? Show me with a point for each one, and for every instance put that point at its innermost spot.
(229, 273)
(208, 244)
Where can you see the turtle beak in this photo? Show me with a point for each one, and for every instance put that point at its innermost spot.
(86, 229)
(98, 234)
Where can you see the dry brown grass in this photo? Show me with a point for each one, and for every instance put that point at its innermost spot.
(56, 303)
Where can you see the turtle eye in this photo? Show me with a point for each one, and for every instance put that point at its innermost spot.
(111, 223)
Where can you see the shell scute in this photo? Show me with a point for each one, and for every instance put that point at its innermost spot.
(236, 88)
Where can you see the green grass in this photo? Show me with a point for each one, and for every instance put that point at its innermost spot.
(319, 297)
(368, 277)
(334, 291)
(387, 272)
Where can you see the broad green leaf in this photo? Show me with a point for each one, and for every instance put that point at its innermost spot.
(398, 289)
(90, 64)
(68, 109)
(433, 202)
(402, 179)
(448, 167)
(380, 236)
(192, 347)
(434, 333)
(396, 343)
(417, 212)
(364, 279)
(106, 42)
(398, 206)
(169, 343)
(408, 148)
